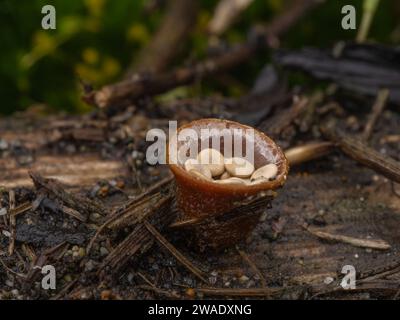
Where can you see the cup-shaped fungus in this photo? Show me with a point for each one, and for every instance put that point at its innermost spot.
(219, 165)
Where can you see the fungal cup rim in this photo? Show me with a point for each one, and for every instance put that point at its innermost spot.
(283, 164)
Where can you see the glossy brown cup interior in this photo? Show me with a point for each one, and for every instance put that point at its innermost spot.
(198, 197)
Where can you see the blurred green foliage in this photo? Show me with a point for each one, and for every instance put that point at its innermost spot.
(96, 40)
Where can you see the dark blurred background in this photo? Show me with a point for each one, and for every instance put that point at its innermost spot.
(97, 40)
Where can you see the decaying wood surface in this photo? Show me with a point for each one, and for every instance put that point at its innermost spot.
(284, 256)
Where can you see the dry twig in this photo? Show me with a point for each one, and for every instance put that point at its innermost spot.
(365, 155)
(225, 13)
(176, 25)
(178, 255)
(168, 294)
(253, 266)
(307, 152)
(140, 239)
(128, 90)
(125, 210)
(77, 203)
(252, 292)
(376, 111)
(357, 242)
(11, 246)
(21, 209)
